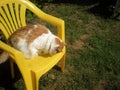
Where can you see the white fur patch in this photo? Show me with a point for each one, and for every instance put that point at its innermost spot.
(22, 46)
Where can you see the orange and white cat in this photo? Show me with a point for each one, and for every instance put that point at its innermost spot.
(34, 40)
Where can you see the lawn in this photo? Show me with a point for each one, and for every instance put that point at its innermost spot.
(93, 48)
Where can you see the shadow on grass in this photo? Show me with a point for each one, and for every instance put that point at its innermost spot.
(6, 81)
(103, 8)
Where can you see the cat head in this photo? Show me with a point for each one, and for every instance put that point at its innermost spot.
(57, 46)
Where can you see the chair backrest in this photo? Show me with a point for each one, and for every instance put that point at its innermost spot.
(12, 16)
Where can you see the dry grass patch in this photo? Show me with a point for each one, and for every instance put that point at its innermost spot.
(80, 42)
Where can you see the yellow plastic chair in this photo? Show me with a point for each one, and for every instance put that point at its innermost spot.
(12, 17)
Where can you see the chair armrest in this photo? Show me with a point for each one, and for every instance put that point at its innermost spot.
(54, 21)
(13, 52)
(42, 15)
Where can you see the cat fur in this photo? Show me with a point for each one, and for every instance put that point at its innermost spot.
(34, 40)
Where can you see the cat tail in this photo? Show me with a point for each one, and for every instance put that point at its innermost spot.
(4, 57)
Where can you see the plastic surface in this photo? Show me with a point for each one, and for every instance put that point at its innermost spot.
(12, 17)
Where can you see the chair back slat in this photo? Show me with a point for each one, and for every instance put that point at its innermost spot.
(4, 24)
(22, 15)
(12, 10)
(12, 17)
(5, 18)
(8, 14)
(17, 13)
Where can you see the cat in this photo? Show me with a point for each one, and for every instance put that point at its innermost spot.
(34, 40)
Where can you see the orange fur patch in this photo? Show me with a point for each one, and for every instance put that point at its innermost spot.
(24, 31)
(15, 36)
(39, 30)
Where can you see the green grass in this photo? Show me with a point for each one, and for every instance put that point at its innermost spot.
(98, 61)
(93, 48)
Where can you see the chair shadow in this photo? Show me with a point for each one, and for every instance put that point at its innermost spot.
(6, 80)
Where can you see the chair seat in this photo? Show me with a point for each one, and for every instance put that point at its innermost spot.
(42, 63)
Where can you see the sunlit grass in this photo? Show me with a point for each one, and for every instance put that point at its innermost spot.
(98, 61)
(93, 48)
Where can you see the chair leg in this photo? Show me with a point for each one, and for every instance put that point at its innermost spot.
(12, 69)
(63, 63)
(28, 80)
(37, 84)
(35, 80)
(26, 74)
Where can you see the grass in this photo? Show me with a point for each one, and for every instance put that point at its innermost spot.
(93, 47)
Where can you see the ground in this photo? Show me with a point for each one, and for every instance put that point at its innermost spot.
(93, 47)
